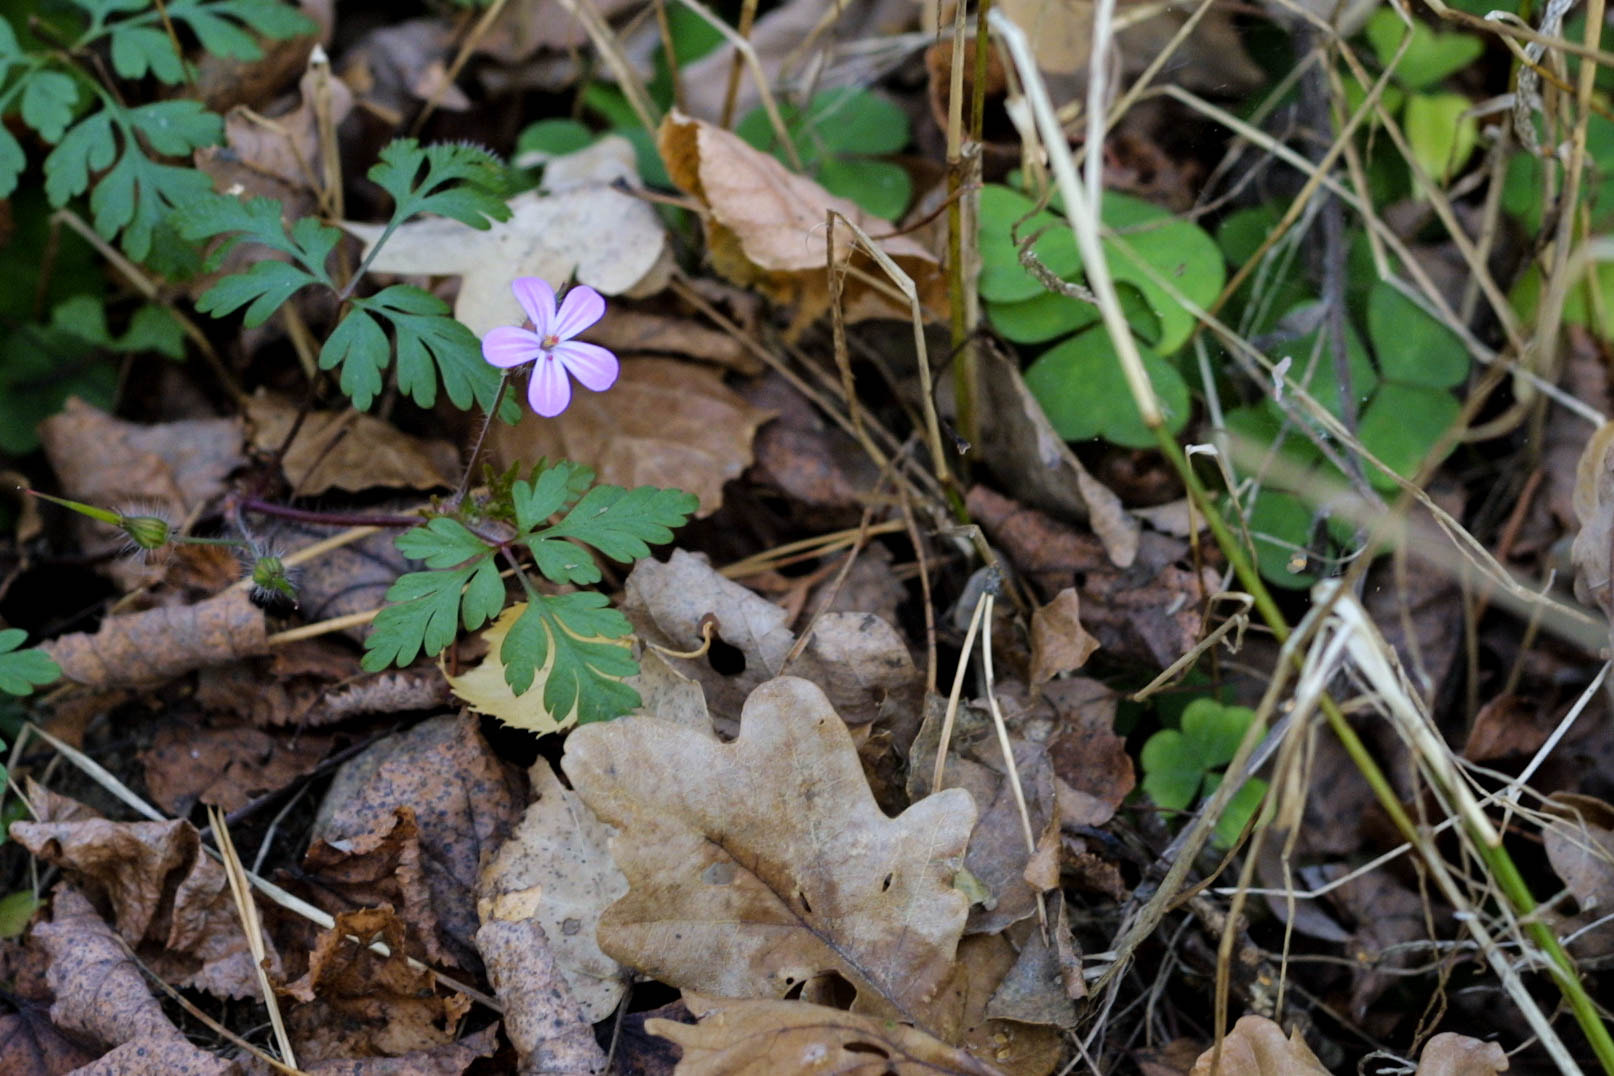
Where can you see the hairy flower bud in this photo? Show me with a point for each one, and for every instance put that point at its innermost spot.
(272, 588)
(150, 533)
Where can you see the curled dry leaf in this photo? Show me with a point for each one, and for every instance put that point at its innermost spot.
(1039, 467)
(160, 644)
(171, 902)
(664, 423)
(550, 1033)
(358, 1003)
(1257, 1047)
(101, 993)
(1451, 1054)
(556, 870)
(765, 227)
(577, 222)
(792, 1036)
(1059, 643)
(418, 811)
(349, 450)
(857, 659)
(763, 864)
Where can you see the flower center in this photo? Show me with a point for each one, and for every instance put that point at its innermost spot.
(550, 341)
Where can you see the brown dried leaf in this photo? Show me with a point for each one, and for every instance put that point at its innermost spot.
(664, 423)
(449, 1059)
(171, 902)
(441, 775)
(226, 766)
(1580, 846)
(101, 993)
(804, 456)
(1388, 915)
(1047, 974)
(350, 579)
(390, 66)
(169, 470)
(526, 26)
(1089, 757)
(792, 1036)
(143, 649)
(627, 331)
(1038, 466)
(349, 450)
(761, 864)
(857, 659)
(1507, 725)
(278, 157)
(765, 227)
(577, 223)
(556, 870)
(1059, 643)
(550, 1032)
(1451, 1054)
(226, 81)
(360, 1004)
(30, 1045)
(1257, 1047)
(1129, 610)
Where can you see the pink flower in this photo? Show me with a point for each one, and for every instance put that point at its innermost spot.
(550, 343)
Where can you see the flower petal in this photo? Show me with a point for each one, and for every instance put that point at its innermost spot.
(537, 298)
(581, 308)
(509, 346)
(549, 391)
(594, 366)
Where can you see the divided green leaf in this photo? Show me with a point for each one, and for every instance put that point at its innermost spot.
(21, 671)
(571, 640)
(461, 181)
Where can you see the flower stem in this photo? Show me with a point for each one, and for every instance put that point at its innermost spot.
(476, 449)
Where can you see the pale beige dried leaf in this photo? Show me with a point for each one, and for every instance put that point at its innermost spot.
(349, 450)
(148, 648)
(643, 332)
(669, 694)
(1257, 1047)
(613, 242)
(549, 1031)
(1594, 507)
(556, 870)
(753, 1037)
(758, 865)
(857, 659)
(1579, 841)
(664, 423)
(1059, 643)
(766, 226)
(1451, 1054)
(1061, 31)
(279, 156)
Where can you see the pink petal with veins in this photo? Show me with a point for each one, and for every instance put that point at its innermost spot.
(581, 308)
(537, 298)
(509, 346)
(593, 366)
(549, 391)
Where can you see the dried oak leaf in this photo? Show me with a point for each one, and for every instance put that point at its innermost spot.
(1451, 1054)
(664, 423)
(148, 648)
(765, 227)
(227, 766)
(792, 1036)
(759, 865)
(422, 808)
(1149, 611)
(578, 223)
(101, 993)
(556, 870)
(1257, 1047)
(349, 450)
(170, 902)
(358, 1003)
(857, 659)
(1089, 756)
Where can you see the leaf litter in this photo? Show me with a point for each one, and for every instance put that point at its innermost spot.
(758, 836)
